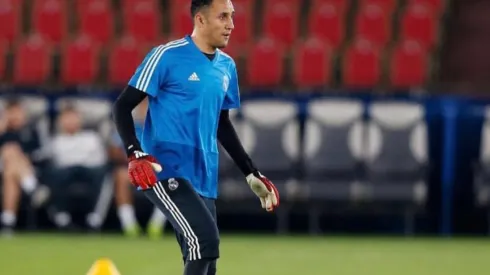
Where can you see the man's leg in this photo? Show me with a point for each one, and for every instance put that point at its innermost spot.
(60, 179)
(211, 205)
(18, 174)
(124, 202)
(94, 178)
(189, 216)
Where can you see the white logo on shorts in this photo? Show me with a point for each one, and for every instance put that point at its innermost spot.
(172, 184)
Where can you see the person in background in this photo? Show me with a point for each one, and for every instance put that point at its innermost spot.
(19, 144)
(124, 193)
(77, 156)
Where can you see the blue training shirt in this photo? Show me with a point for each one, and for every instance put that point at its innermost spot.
(187, 92)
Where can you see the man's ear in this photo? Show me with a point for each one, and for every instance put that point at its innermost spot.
(199, 20)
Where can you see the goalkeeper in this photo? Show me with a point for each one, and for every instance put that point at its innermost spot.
(190, 85)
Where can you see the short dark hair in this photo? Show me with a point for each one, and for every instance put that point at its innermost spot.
(13, 102)
(197, 5)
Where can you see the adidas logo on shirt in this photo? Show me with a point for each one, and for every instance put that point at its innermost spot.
(193, 77)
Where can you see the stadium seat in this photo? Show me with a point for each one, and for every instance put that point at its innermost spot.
(49, 18)
(81, 6)
(10, 19)
(124, 58)
(80, 61)
(408, 66)
(143, 21)
(327, 21)
(181, 18)
(270, 133)
(265, 63)
(437, 6)
(243, 21)
(333, 151)
(3, 60)
(33, 61)
(127, 5)
(341, 5)
(373, 23)
(361, 65)
(281, 20)
(418, 23)
(481, 169)
(397, 177)
(96, 19)
(312, 63)
(388, 6)
(96, 112)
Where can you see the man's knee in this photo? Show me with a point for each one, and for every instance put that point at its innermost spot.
(209, 247)
(10, 152)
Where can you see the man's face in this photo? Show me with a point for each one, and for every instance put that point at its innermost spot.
(218, 22)
(16, 117)
(71, 122)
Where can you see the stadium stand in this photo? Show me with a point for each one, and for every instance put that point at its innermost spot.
(96, 19)
(34, 62)
(10, 19)
(287, 23)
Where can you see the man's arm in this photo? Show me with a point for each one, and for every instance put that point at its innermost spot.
(123, 118)
(229, 139)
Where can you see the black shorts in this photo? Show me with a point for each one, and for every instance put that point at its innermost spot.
(192, 217)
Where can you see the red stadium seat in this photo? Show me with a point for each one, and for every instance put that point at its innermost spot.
(82, 5)
(408, 66)
(143, 21)
(3, 60)
(326, 21)
(341, 5)
(96, 19)
(418, 23)
(10, 19)
(437, 6)
(243, 21)
(49, 18)
(265, 63)
(33, 61)
(312, 63)
(374, 24)
(361, 65)
(281, 20)
(129, 4)
(124, 58)
(79, 61)
(388, 6)
(180, 18)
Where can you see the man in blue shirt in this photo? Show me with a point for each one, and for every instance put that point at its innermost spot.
(191, 85)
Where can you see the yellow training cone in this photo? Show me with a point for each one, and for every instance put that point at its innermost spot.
(103, 266)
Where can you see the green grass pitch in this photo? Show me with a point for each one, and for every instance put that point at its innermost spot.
(55, 254)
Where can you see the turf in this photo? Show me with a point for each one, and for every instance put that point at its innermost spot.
(56, 254)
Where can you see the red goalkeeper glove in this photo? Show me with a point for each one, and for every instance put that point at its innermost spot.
(141, 170)
(265, 190)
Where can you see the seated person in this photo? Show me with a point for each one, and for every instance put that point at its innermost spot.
(125, 208)
(19, 145)
(77, 156)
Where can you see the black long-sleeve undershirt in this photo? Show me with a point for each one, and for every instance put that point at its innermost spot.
(227, 136)
(123, 118)
(229, 139)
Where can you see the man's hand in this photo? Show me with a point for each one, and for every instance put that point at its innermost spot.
(265, 190)
(141, 170)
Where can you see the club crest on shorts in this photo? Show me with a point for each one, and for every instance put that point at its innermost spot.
(172, 184)
(226, 82)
